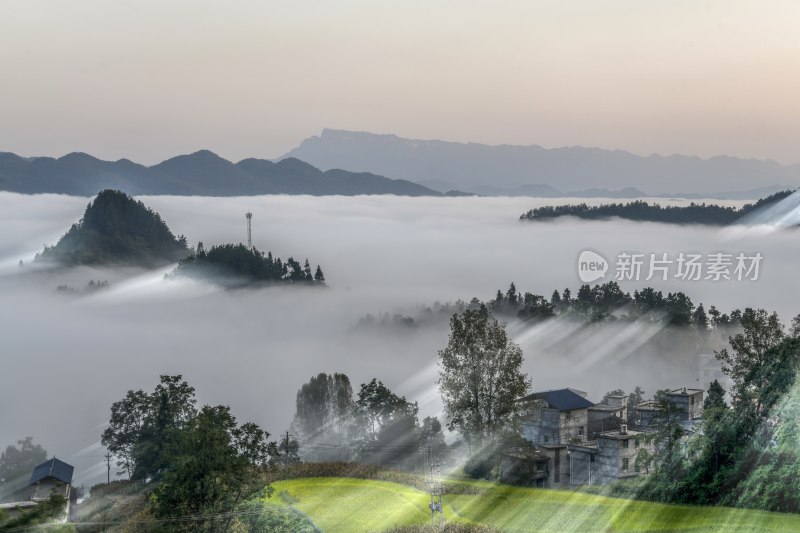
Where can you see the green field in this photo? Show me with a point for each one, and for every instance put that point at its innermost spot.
(346, 504)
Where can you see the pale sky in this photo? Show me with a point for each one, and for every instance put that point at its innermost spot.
(148, 79)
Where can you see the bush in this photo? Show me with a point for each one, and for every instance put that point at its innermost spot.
(258, 516)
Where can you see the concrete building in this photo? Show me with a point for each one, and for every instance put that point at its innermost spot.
(610, 458)
(608, 415)
(555, 417)
(550, 420)
(689, 403)
(526, 467)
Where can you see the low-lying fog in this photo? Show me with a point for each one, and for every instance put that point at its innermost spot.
(66, 358)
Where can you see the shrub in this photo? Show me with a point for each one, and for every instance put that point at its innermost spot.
(258, 517)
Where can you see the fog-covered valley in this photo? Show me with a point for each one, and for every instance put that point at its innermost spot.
(68, 356)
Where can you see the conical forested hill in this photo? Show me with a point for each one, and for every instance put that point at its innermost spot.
(117, 230)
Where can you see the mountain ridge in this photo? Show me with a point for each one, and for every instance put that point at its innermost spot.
(200, 173)
(470, 165)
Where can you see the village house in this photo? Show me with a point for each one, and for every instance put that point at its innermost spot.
(608, 415)
(610, 458)
(689, 404)
(51, 477)
(575, 442)
(549, 421)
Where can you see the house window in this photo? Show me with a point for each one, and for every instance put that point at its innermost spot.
(625, 443)
(625, 464)
(591, 458)
(539, 483)
(545, 439)
(540, 466)
(567, 415)
(580, 431)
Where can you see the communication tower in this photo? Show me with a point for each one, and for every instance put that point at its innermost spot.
(435, 487)
(249, 217)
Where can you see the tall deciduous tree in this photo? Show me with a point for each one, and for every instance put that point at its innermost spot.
(747, 361)
(140, 423)
(480, 377)
(388, 424)
(214, 464)
(324, 412)
(128, 417)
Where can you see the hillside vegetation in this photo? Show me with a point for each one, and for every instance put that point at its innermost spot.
(117, 230)
(707, 214)
(236, 265)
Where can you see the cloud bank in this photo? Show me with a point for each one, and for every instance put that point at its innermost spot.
(65, 359)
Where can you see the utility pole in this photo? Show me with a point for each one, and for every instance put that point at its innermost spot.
(108, 464)
(286, 447)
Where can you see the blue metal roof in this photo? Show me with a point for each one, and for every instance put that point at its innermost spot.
(562, 399)
(54, 468)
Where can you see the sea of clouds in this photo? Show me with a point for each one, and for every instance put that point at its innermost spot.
(66, 358)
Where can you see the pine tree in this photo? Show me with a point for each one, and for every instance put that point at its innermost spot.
(699, 318)
(319, 276)
(715, 397)
(555, 299)
(511, 295)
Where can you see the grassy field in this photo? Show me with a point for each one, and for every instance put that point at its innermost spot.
(346, 504)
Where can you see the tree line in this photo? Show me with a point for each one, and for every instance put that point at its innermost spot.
(237, 264)
(642, 211)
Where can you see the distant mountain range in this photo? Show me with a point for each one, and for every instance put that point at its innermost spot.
(201, 173)
(507, 169)
(415, 168)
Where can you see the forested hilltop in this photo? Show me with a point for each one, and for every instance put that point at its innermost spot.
(236, 265)
(117, 230)
(641, 211)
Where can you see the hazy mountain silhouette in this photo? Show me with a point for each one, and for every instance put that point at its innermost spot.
(470, 166)
(201, 173)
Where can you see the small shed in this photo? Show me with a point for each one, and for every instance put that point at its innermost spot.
(52, 476)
